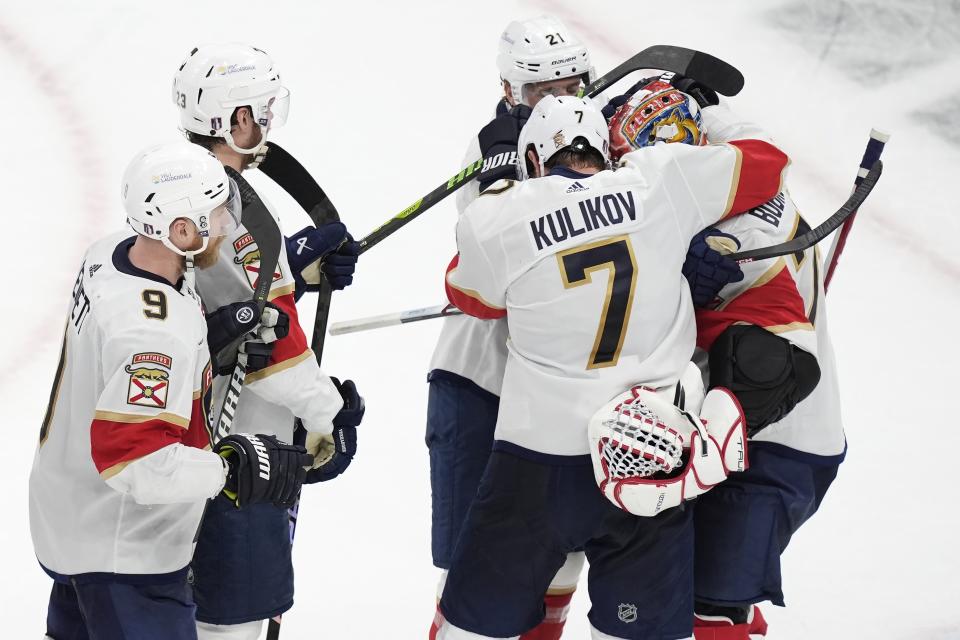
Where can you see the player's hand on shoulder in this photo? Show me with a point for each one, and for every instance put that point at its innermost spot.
(616, 102)
(261, 468)
(707, 269)
(333, 453)
(238, 319)
(498, 144)
(327, 251)
(705, 96)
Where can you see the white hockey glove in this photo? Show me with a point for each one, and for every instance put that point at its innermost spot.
(648, 455)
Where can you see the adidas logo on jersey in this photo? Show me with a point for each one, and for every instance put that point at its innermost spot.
(94, 268)
(576, 186)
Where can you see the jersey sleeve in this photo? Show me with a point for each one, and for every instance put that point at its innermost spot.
(150, 403)
(293, 378)
(779, 296)
(472, 284)
(714, 182)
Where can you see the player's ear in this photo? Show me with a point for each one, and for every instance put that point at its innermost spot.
(533, 166)
(508, 93)
(180, 231)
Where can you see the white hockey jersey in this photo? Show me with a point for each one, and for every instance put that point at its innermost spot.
(292, 384)
(472, 348)
(785, 296)
(120, 475)
(587, 271)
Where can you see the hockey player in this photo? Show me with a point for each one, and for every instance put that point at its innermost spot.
(530, 251)
(537, 57)
(765, 337)
(230, 98)
(124, 466)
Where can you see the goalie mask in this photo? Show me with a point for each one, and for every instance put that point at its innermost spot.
(648, 455)
(657, 113)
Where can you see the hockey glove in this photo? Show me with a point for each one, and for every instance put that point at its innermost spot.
(262, 469)
(328, 251)
(704, 96)
(616, 102)
(767, 373)
(234, 320)
(706, 269)
(498, 144)
(333, 453)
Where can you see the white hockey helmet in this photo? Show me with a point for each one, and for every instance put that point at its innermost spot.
(558, 123)
(538, 50)
(215, 79)
(179, 180)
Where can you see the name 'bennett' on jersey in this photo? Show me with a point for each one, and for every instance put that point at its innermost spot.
(605, 210)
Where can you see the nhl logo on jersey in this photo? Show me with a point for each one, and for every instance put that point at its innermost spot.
(250, 260)
(627, 613)
(148, 384)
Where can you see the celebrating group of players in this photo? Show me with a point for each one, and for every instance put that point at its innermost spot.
(619, 391)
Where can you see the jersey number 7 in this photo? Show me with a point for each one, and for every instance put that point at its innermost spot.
(577, 267)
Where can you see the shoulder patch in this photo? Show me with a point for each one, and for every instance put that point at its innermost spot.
(250, 261)
(148, 384)
(498, 187)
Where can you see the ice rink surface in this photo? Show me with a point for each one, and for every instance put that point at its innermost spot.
(385, 97)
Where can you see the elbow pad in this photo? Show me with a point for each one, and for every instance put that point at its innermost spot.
(768, 374)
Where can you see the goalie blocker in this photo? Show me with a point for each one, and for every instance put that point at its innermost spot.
(648, 455)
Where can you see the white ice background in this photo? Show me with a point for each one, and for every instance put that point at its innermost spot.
(385, 97)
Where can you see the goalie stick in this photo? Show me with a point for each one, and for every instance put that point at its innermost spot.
(260, 224)
(878, 140)
(292, 177)
(799, 243)
(702, 67)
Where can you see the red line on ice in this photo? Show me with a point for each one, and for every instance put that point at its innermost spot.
(83, 147)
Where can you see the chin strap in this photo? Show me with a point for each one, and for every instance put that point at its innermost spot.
(258, 152)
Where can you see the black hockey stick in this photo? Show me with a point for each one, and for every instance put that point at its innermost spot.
(702, 67)
(258, 221)
(822, 230)
(289, 174)
(799, 243)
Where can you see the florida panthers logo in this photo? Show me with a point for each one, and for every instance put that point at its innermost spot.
(148, 385)
(251, 260)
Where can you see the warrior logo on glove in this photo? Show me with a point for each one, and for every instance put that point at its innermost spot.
(148, 386)
(251, 260)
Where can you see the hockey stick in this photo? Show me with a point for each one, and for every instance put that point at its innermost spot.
(799, 243)
(258, 221)
(288, 173)
(878, 140)
(702, 67)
